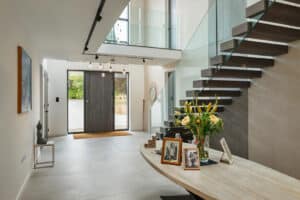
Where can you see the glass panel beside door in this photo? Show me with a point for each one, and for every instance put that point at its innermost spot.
(121, 101)
(75, 101)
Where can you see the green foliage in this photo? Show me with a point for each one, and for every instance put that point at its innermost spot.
(120, 86)
(75, 86)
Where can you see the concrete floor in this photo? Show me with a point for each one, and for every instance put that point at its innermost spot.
(106, 169)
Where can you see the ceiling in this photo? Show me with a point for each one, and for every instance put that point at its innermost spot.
(59, 28)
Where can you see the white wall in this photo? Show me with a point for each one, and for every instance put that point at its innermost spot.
(17, 130)
(57, 71)
(155, 76)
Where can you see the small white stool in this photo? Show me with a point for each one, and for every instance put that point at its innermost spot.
(45, 164)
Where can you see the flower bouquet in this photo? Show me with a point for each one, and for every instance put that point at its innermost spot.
(202, 121)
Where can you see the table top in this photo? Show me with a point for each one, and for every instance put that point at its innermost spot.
(243, 180)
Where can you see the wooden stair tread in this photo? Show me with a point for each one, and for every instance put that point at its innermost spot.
(294, 1)
(236, 73)
(169, 123)
(266, 32)
(227, 101)
(222, 83)
(213, 93)
(220, 108)
(240, 61)
(257, 48)
(275, 12)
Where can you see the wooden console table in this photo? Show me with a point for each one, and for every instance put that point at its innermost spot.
(243, 180)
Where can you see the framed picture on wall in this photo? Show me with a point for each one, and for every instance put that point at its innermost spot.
(24, 81)
(171, 151)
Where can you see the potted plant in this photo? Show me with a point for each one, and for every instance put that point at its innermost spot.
(202, 121)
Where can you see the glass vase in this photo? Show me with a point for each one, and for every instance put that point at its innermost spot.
(202, 146)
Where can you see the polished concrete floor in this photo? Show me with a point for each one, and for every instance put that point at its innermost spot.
(106, 169)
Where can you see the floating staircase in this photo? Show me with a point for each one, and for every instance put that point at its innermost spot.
(270, 27)
(255, 44)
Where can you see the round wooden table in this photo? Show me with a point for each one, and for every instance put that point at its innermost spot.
(243, 180)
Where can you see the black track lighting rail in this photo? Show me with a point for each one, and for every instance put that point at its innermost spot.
(97, 19)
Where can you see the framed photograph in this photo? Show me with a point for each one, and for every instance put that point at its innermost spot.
(24, 81)
(191, 159)
(171, 151)
(227, 155)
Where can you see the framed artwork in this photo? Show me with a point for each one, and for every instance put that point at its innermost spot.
(24, 81)
(191, 159)
(171, 151)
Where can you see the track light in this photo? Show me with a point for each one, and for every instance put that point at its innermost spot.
(99, 18)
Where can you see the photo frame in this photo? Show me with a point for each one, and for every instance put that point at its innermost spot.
(191, 159)
(24, 81)
(226, 155)
(171, 151)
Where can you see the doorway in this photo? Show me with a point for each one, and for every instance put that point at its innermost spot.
(97, 101)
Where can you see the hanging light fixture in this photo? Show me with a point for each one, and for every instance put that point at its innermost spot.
(100, 66)
(110, 65)
(90, 65)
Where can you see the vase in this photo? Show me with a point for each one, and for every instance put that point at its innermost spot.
(202, 146)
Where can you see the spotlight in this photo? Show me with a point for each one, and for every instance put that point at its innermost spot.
(86, 48)
(110, 69)
(96, 57)
(90, 65)
(144, 61)
(99, 18)
(124, 71)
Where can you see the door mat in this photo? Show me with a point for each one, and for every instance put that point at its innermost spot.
(101, 135)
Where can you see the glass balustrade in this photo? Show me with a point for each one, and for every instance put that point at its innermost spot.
(139, 25)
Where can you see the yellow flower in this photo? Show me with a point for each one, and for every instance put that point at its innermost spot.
(177, 113)
(190, 109)
(208, 107)
(185, 121)
(214, 119)
(198, 121)
(214, 109)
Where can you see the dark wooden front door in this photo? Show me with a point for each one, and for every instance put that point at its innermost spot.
(99, 101)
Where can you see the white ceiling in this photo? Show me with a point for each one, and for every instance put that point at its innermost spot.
(59, 28)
